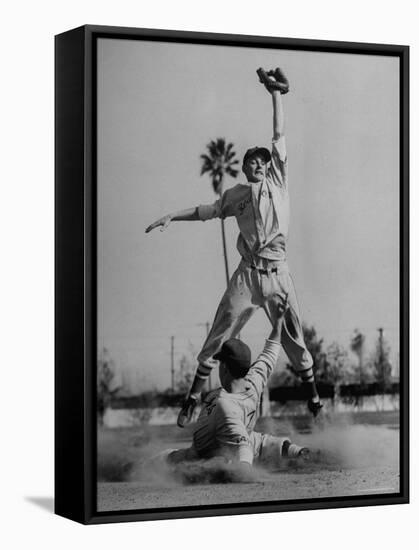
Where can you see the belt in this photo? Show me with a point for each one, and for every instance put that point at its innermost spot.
(264, 271)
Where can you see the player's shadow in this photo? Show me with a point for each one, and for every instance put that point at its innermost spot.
(46, 503)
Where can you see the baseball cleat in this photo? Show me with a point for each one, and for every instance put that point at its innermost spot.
(291, 450)
(314, 407)
(186, 411)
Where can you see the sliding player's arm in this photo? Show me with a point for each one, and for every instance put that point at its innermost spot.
(261, 370)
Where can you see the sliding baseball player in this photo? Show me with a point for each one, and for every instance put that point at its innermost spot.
(225, 426)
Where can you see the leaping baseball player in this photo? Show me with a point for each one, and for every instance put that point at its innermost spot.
(261, 208)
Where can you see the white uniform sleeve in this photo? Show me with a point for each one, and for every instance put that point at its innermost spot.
(209, 211)
(260, 371)
(231, 433)
(221, 208)
(278, 169)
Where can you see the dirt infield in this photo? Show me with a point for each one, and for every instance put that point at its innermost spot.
(283, 486)
(352, 455)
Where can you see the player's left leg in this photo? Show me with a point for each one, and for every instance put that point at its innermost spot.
(292, 339)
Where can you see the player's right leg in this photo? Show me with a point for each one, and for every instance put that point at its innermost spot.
(292, 340)
(235, 309)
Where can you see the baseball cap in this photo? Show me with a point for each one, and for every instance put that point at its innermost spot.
(236, 354)
(257, 150)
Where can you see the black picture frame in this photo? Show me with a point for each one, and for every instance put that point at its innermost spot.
(75, 269)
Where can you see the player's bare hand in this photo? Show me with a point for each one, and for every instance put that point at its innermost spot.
(282, 302)
(163, 223)
(281, 305)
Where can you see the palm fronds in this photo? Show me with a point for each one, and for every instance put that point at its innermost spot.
(219, 161)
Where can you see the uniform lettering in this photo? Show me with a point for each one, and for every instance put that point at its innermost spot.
(242, 205)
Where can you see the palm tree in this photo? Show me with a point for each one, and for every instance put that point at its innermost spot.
(218, 162)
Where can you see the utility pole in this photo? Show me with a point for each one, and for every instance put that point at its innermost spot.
(357, 346)
(381, 357)
(361, 365)
(172, 361)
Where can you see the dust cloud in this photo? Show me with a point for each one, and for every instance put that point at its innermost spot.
(334, 443)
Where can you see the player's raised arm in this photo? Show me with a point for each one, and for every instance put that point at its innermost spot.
(278, 115)
(276, 83)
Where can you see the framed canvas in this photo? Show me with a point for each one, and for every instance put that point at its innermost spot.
(189, 380)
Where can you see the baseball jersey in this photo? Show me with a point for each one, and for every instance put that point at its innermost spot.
(262, 236)
(227, 419)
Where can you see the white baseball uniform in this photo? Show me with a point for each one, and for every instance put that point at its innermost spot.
(226, 421)
(262, 213)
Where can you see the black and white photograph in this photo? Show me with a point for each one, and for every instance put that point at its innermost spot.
(209, 266)
(208, 279)
(248, 274)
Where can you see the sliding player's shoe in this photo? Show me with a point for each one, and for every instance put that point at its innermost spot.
(291, 450)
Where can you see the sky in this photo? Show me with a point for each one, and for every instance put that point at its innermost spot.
(159, 104)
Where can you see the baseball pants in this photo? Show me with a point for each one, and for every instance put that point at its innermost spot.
(267, 450)
(250, 289)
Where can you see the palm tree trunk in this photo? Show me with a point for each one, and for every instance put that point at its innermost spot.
(225, 251)
(219, 189)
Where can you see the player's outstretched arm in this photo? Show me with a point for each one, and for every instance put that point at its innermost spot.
(190, 214)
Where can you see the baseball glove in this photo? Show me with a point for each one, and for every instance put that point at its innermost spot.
(278, 82)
